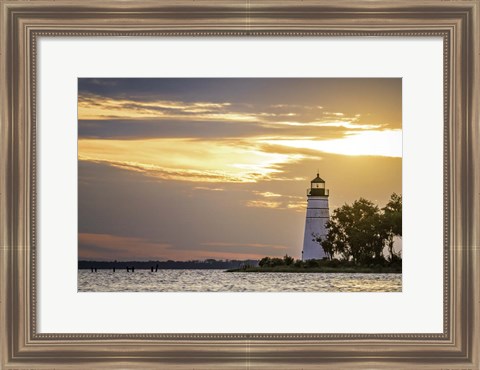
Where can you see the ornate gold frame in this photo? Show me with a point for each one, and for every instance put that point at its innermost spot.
(23, 22)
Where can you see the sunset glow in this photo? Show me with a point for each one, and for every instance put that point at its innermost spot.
(187, 159)
(218, 168)
(386, 143)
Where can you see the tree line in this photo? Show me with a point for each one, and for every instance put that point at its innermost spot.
(170, 264)
(360, 232)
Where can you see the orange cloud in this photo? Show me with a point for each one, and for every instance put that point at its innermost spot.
(187, 159)
(268, 194)
(98, 107)
(93, 107)
(263, 204)
(282, 201)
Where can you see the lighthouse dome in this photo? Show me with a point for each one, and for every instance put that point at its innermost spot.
(317, 179)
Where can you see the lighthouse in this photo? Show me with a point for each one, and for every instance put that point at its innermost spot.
(317, 217)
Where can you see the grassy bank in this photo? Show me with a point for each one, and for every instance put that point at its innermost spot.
(288, 264)
(324, 269)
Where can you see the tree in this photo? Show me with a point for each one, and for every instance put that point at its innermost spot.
(356, 232)
(287, 260)
(265, 261)
(327, 245)
(392, 221)
(336, 239)
(298, 263)
(275, 261)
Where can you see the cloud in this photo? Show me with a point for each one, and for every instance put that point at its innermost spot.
(207, 188)
(299, 206)
(277, 201)
(268, 194)
(187, 159)
(263, 204)
(335, 114)
(245, 160)
(94, 107)
(164, 128)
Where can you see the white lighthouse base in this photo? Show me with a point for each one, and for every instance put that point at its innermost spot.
(317, 217)
(311, 248)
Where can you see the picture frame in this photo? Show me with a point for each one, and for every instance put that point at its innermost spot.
(24, 22)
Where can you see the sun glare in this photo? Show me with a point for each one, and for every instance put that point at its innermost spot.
(387, 143)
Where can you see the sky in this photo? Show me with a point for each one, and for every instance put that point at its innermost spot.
(197, 168)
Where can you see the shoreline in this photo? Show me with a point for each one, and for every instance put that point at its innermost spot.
(350, 270)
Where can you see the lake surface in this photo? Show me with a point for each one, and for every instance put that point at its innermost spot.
(221, 281)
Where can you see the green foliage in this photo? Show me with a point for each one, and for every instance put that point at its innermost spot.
(359, 232)
(328, 245)
(298, 264)
(264, 262)
(312, 263)
(328, 266)
(392, 221)
(275, 261)
(287, 260)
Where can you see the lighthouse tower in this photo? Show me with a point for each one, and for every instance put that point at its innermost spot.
(317, 216)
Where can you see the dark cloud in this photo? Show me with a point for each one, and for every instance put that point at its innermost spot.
(152, 128)
(375, 99)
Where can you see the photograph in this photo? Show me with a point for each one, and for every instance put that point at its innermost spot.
(239, 184)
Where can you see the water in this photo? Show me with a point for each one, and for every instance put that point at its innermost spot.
(221, 281)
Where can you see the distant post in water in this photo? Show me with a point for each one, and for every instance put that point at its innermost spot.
(316, 218)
